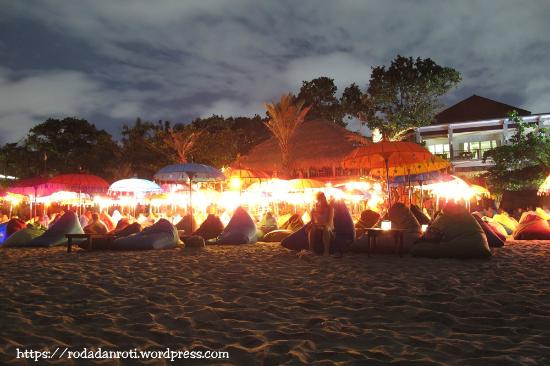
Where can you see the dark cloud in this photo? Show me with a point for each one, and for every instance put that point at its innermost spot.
(111, 61)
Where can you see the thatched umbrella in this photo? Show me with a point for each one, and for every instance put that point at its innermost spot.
(316, 144)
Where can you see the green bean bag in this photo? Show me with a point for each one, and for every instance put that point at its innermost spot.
(55, 235)
(23, 236)
(241, 229)
(161, 235)
(455, 233)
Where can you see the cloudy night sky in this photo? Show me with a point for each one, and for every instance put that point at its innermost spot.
(112, 61)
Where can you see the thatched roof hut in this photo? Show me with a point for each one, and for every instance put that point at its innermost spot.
(317, 144)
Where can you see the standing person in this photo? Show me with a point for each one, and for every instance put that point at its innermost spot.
(322, 220)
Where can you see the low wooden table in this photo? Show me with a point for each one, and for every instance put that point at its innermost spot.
(89, 239)
(372, 233)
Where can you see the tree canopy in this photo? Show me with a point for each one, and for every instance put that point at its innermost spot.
(66, 146)
(406, 94)
(522, 163)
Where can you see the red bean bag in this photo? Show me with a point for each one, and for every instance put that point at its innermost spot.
(493, 238)
(14, 225)
(532, 227)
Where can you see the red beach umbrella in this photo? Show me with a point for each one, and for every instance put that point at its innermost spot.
(87, 183)
(36, 187)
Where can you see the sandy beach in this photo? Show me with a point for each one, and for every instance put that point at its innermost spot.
(265, 306)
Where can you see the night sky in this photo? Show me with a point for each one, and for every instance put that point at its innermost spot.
(112, 61)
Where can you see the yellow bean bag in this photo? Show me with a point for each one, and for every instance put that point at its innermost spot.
(542, 214)
(509, 223)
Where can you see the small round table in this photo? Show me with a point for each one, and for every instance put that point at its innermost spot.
(373, 232)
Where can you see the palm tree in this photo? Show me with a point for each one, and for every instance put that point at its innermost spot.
(284, 119)
(181, 142)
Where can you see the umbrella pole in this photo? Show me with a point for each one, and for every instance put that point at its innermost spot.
(410, 192)
(191, 203)
(421, 197)
(386, 161)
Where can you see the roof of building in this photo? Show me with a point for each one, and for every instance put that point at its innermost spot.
(316, 144)
(476, 108)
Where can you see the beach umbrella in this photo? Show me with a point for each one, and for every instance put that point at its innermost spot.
(35, 187)
(387, 155)
(480, 191)
(134, 187)
(303, 184)
(189, 172)
(86, 183)
(81, 183)
(237, 177)
(433, 164)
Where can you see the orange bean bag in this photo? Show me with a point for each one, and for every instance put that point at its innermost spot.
(532, 227)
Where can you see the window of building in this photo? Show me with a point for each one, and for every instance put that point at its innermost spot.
(479, 145)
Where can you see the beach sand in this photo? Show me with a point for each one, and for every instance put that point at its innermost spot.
(265, 306)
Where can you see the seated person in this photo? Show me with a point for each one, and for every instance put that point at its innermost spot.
(96, 226)
(322, 219)
(268, 223)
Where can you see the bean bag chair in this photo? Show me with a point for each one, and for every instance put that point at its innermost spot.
(3, 232)
(509, 223)
(532, 227)
(116, 217)
(455, 233)
(211, 228)
(542, 214)
(494, 239)
(128, 230)
(298, 240)
(241, 229)
(268, 224)
(107, 220)
(14, 225)
(422, 218)
(276, 236)
(97, 227)
(187, 224)
(497, 228)
(368, 219)
(161, 235)
(194, 242)
(22, 237)
(120, 225)
(55, 235)
(293, 223)
(344, 229)
(401, 217)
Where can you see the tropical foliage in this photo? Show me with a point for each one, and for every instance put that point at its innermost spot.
(284, 118)
(523, 162)
(405, 95)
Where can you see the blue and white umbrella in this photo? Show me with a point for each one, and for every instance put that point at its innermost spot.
(189, 172)
(134, 187)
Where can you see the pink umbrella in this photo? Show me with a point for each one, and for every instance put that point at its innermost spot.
(35, 187)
